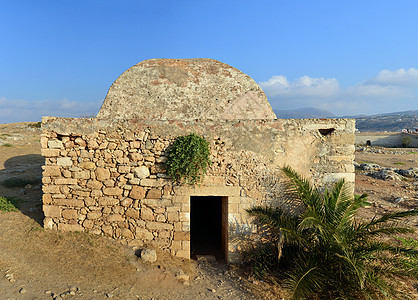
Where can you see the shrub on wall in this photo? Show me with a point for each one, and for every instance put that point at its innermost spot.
(188, 159)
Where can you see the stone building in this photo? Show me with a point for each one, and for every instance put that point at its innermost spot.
(106, 175)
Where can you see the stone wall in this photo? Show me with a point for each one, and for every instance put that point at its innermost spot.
(388, 139)
(108, 176)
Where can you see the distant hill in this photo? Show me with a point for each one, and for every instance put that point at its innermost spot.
(304, 113)
(391, 122)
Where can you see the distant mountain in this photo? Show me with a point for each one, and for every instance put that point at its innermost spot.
(304, 113)
(391, 122)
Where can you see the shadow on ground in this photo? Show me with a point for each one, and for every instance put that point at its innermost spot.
(22, 179)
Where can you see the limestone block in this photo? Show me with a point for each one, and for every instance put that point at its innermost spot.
(51, 171)
(69, 202)
(135, 144)
(64, 161)
(109, 183)
(141, 172)
(126, 202)
(96, 193)
(70, 214)
(161, 218)
(134, 181)
(108, 230)
(88, 224)
(158, 226)
(81, 193)
(176, 245)
(51, 189)
(70, 227)
(149, 255)
(88, 165)
(108, 201)
(185, 245)
(154, 194)
(66, 173)
(143, 234)
(48, 223)
(112, 146)
(124, 169)
(184, 217)
(69, 144)
(137, 193)
(112, 191)
(149, 159)
(93, 215)
(182, 235)
(79, 141)
(50, 152)
(46, 198)
(92, 144)
(114, 218)
(52, 211)
(46, 180)
(147, 214)
(44, 142)
(173, 216)
(68, 181)
(55, 144)
(102, 174)
(132, 213)
(154, 182)
(135, 156)
(94, 184)
(126, 233)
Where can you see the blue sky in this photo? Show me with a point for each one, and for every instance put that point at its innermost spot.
(350, 57)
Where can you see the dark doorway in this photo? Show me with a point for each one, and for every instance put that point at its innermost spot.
(208, 230)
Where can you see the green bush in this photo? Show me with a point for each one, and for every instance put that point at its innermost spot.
(188, 159)
(9, 204)
(35, 125)
(325, 252)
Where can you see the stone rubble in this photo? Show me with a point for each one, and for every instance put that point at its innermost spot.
(387, 173)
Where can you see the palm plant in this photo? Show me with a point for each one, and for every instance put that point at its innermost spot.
(324, 251)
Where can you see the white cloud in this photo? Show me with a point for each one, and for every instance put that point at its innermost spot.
(303, 86)
(24, 110)
(401, 77)
(387, 91)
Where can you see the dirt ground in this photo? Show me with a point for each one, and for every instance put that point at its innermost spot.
(41, 264)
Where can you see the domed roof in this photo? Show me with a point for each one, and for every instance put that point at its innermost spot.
(185, 89)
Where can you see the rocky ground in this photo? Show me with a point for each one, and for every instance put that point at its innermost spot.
(40, 264)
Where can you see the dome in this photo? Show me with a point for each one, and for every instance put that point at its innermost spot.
(185, 89)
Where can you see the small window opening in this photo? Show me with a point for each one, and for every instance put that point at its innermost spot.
(326, 131)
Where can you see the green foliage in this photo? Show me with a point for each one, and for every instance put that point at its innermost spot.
(406, 141)
(18, 182)
(326, 252)
(9, 204)
(35, 125)
(7, 145)
(188, 159)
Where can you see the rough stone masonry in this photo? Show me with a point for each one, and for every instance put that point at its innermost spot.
(106, 175)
